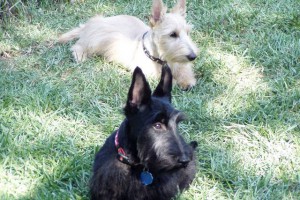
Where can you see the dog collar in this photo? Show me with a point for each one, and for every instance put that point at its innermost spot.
(158, 60)
(121, 153)
(146, 177)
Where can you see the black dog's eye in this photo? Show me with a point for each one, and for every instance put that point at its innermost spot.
(157, 126)
(173, 35)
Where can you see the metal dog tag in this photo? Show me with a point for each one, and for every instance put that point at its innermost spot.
(146, 178)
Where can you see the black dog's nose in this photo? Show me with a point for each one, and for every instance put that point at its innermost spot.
(191, 56)
(183, 160)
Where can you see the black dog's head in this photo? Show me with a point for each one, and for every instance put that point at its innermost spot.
(153, 122)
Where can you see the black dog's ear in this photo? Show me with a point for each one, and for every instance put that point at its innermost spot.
(164, 86)
(139, 92)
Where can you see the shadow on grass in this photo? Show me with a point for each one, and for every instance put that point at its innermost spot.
(53, 123)
(47, 94)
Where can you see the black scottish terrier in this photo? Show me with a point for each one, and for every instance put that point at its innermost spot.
(146, 159)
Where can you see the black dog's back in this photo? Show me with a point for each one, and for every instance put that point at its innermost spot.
(145, 158)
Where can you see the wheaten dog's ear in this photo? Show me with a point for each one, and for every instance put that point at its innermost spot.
(158, 12)
(180, 8)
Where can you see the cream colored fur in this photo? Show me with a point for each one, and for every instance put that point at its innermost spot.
(119, 38)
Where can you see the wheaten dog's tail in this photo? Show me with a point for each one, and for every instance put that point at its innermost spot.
(71, 35)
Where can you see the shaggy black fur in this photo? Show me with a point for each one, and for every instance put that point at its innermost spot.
(150, 140)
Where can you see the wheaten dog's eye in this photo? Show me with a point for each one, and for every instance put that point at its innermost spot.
(173, 35)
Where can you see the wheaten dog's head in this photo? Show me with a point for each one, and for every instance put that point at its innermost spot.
(171, 33)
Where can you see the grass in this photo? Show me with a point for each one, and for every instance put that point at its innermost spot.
(244, 111)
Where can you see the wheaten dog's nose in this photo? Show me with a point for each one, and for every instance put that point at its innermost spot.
(191, 56)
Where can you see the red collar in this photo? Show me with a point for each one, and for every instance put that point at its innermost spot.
(145, 176)
(122, 157)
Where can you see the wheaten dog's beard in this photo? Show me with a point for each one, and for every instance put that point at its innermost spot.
(115, 39)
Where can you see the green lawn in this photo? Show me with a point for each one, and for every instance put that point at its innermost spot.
(244, 111)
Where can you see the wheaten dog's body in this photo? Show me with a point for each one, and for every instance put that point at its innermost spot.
(120, 38)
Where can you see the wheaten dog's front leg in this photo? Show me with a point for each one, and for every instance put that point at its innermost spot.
(183, 75)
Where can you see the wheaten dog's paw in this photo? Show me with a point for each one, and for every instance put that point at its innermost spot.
(78, 53)
(186, 85)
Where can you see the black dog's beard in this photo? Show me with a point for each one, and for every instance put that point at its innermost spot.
(162, 163)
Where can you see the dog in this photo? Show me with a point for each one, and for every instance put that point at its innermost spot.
(128, 41)
(146, 158)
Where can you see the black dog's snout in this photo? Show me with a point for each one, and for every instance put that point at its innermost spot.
(191, 56)
(184, 160)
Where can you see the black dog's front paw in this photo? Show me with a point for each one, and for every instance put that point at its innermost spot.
(194, 144)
